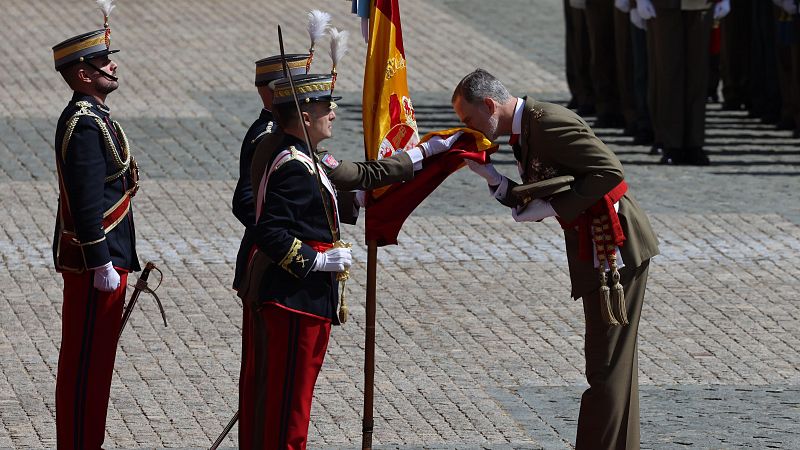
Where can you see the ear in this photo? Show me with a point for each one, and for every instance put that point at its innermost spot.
(490, 104)
(82, 75)
(307, 118)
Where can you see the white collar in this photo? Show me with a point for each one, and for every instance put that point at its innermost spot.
(516, 122)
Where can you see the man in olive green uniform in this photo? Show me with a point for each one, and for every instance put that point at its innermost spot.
(578, 59)
(600, 23)
(735, 56)
(680, 31)
(548, 141)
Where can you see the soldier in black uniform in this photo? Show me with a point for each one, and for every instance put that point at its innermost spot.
(290, 281)
(94, 245)
(243, 203)
(343, 174)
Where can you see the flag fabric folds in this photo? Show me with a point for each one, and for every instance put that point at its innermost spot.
(387, 213)
(390, 126)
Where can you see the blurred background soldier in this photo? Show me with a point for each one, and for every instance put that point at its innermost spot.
(680, 31)
(243, 203)
(578, 58)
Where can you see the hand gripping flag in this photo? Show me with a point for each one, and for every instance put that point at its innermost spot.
(390, 126)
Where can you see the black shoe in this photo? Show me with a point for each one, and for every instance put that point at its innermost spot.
(696, 156)
(673, 157)
(796, 133)
(656, 149)
(668, 161)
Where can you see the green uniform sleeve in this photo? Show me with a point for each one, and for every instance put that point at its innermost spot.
(366, 175)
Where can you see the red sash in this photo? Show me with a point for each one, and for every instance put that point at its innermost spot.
(320, 247)
(604, 207)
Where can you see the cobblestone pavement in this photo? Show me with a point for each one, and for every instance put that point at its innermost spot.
(479, 345)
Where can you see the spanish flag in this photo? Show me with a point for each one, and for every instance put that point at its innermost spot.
(390, 126)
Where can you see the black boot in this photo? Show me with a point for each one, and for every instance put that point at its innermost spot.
(672, 156)
(696, 156)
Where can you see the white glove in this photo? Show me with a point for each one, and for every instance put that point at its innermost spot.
(637, 21)
(578, 4)
(487, 171)
(721, 9)
(623, 5)
(438, 144)
(536, 210)
(646, 9)
(789, 6)
(106, 278)
(334, 260)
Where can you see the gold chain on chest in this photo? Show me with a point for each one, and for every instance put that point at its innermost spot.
(121, 162)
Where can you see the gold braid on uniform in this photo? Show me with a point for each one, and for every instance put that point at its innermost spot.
(122, 163)
(294, 249)
(605, 293)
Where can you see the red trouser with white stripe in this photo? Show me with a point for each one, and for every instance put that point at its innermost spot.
(283, 359)
(90, 322)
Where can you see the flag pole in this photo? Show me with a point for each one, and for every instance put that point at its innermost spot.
(369, 345)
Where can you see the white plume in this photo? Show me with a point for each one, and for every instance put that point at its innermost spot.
(106, 6)
(338, 44)
(317, 23)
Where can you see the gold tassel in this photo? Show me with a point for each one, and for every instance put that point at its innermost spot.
(344, 310)
(618, 292)
(605, 292)
(605, 308)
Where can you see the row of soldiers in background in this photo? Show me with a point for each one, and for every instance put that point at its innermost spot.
(650, 66)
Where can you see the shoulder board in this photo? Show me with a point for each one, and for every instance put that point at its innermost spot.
(281, 158)
(292, 154)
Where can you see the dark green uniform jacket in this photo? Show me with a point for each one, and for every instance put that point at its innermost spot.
(554, 142)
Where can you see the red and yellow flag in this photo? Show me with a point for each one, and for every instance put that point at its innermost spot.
(390, 126)
(389, 122)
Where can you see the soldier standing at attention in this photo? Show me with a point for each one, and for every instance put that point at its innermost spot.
(243, 203)
(94, 245)
(680, 31)
(608, 267)
(290, 282)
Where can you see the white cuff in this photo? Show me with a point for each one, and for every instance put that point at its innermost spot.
(499, 191)
(416, 157)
